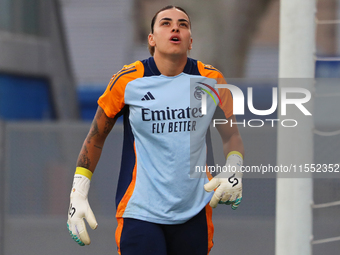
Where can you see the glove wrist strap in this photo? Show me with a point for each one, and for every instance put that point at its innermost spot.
(81, 181)
(234, 162)
(83, 171)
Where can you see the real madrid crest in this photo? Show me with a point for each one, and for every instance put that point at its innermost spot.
(198, 93)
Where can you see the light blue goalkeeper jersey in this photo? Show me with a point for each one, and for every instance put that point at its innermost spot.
(164, 138)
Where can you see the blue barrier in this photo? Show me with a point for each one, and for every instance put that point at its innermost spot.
(25, 98)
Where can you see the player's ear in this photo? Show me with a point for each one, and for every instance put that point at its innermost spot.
(151, 40)
(190, 44)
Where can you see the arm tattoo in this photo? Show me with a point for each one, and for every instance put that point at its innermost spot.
(108, 125)
(83, 159)
(94, 130)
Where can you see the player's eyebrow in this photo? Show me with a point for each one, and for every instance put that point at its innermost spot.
(169, 19)
(181, 20)
(165, 19)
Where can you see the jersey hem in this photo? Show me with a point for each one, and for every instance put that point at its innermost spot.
(154, 220)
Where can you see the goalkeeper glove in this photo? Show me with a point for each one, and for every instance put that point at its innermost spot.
(80, 208)
(228, 184)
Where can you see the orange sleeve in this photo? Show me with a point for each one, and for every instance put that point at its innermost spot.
(227, 102)
(224, 93)
(113, 99)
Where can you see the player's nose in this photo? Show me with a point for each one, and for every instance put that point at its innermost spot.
(175, 28)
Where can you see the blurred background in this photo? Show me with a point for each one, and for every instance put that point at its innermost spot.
(56, 58)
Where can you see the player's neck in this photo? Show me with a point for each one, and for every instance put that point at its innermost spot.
(170, 65)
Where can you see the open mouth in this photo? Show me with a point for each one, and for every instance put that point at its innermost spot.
(175, 38)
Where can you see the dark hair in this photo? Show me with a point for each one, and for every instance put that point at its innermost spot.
(152, 48)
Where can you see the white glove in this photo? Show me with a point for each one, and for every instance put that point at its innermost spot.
(228, 183)
(80, 208)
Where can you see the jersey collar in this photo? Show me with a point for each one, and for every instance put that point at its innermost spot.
(188, 69)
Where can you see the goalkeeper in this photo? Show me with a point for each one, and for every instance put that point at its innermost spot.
(161, 209)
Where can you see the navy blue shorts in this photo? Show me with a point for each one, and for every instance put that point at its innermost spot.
(193, 237)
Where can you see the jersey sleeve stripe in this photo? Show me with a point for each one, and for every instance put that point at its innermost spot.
(126, 69)
(120, 75)
(115, 76)
(212, 69)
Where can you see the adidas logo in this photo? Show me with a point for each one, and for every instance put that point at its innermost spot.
(148, 96)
